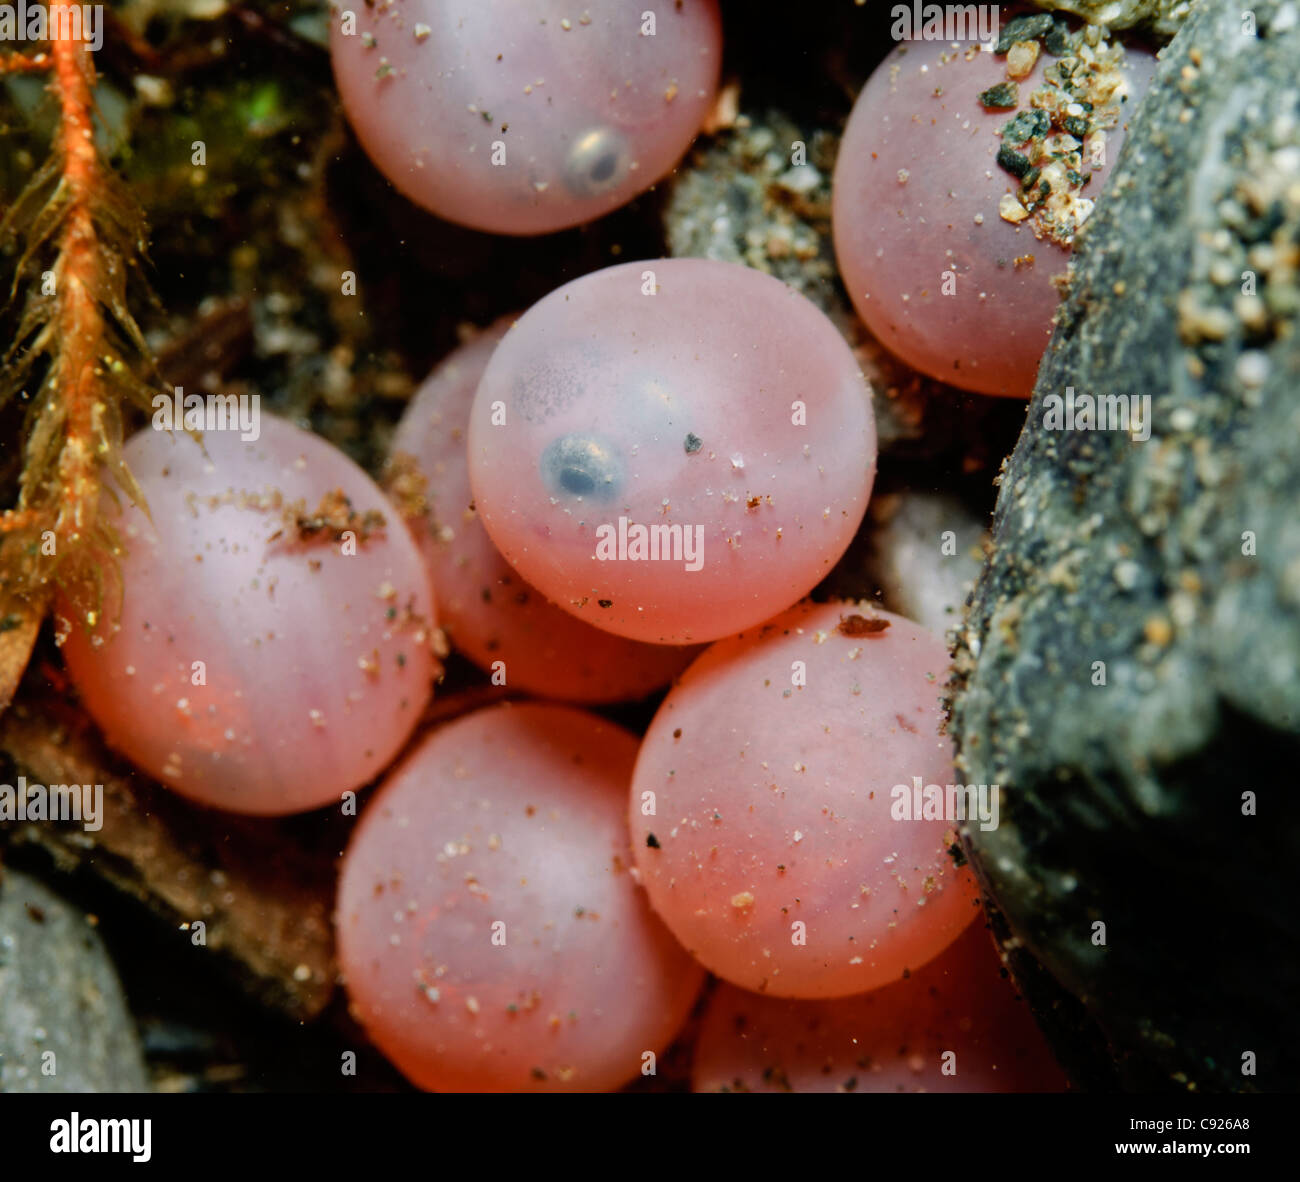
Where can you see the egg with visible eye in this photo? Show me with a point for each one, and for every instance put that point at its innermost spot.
(526, 118)
(672, 450)
(504, 625)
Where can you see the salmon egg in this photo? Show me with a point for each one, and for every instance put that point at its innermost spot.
(523, 119)
(672, 450)
(490, 932)
(490, 614)
(774, 808)
(273, 647)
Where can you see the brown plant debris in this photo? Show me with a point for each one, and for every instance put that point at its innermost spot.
(77, 353)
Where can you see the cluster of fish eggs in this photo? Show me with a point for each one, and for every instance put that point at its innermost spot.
(634, 483)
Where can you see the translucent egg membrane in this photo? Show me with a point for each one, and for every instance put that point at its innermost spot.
(672, 450)
(765, 816)
(955, 1025)
(254, 666)
(522, 118)
(932, 266)
(490, 930)
(490, 613)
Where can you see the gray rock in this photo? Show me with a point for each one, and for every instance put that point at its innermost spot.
(1163, 17)
(64, 1026)
(1172, 567)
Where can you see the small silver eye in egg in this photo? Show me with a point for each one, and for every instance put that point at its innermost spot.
(597, 162)
(582, 466)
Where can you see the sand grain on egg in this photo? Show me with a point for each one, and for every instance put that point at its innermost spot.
(701, 403)
(497, 116)
(490, 613)
(255, 666)
(772, 852)
(490, 933)
(947, 269)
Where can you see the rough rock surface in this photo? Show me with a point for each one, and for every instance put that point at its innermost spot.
(1175, 561)
(1164, 17)
(64, 1025)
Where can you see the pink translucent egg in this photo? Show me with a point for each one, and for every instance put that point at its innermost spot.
(932, 266)
(501, 623)
(526, 118)
(248, 671)
(762, 809)
(954, 1026)
(672, 450)
(490, 932)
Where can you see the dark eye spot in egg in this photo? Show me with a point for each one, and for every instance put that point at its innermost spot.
(596, 163)
(581, 465)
